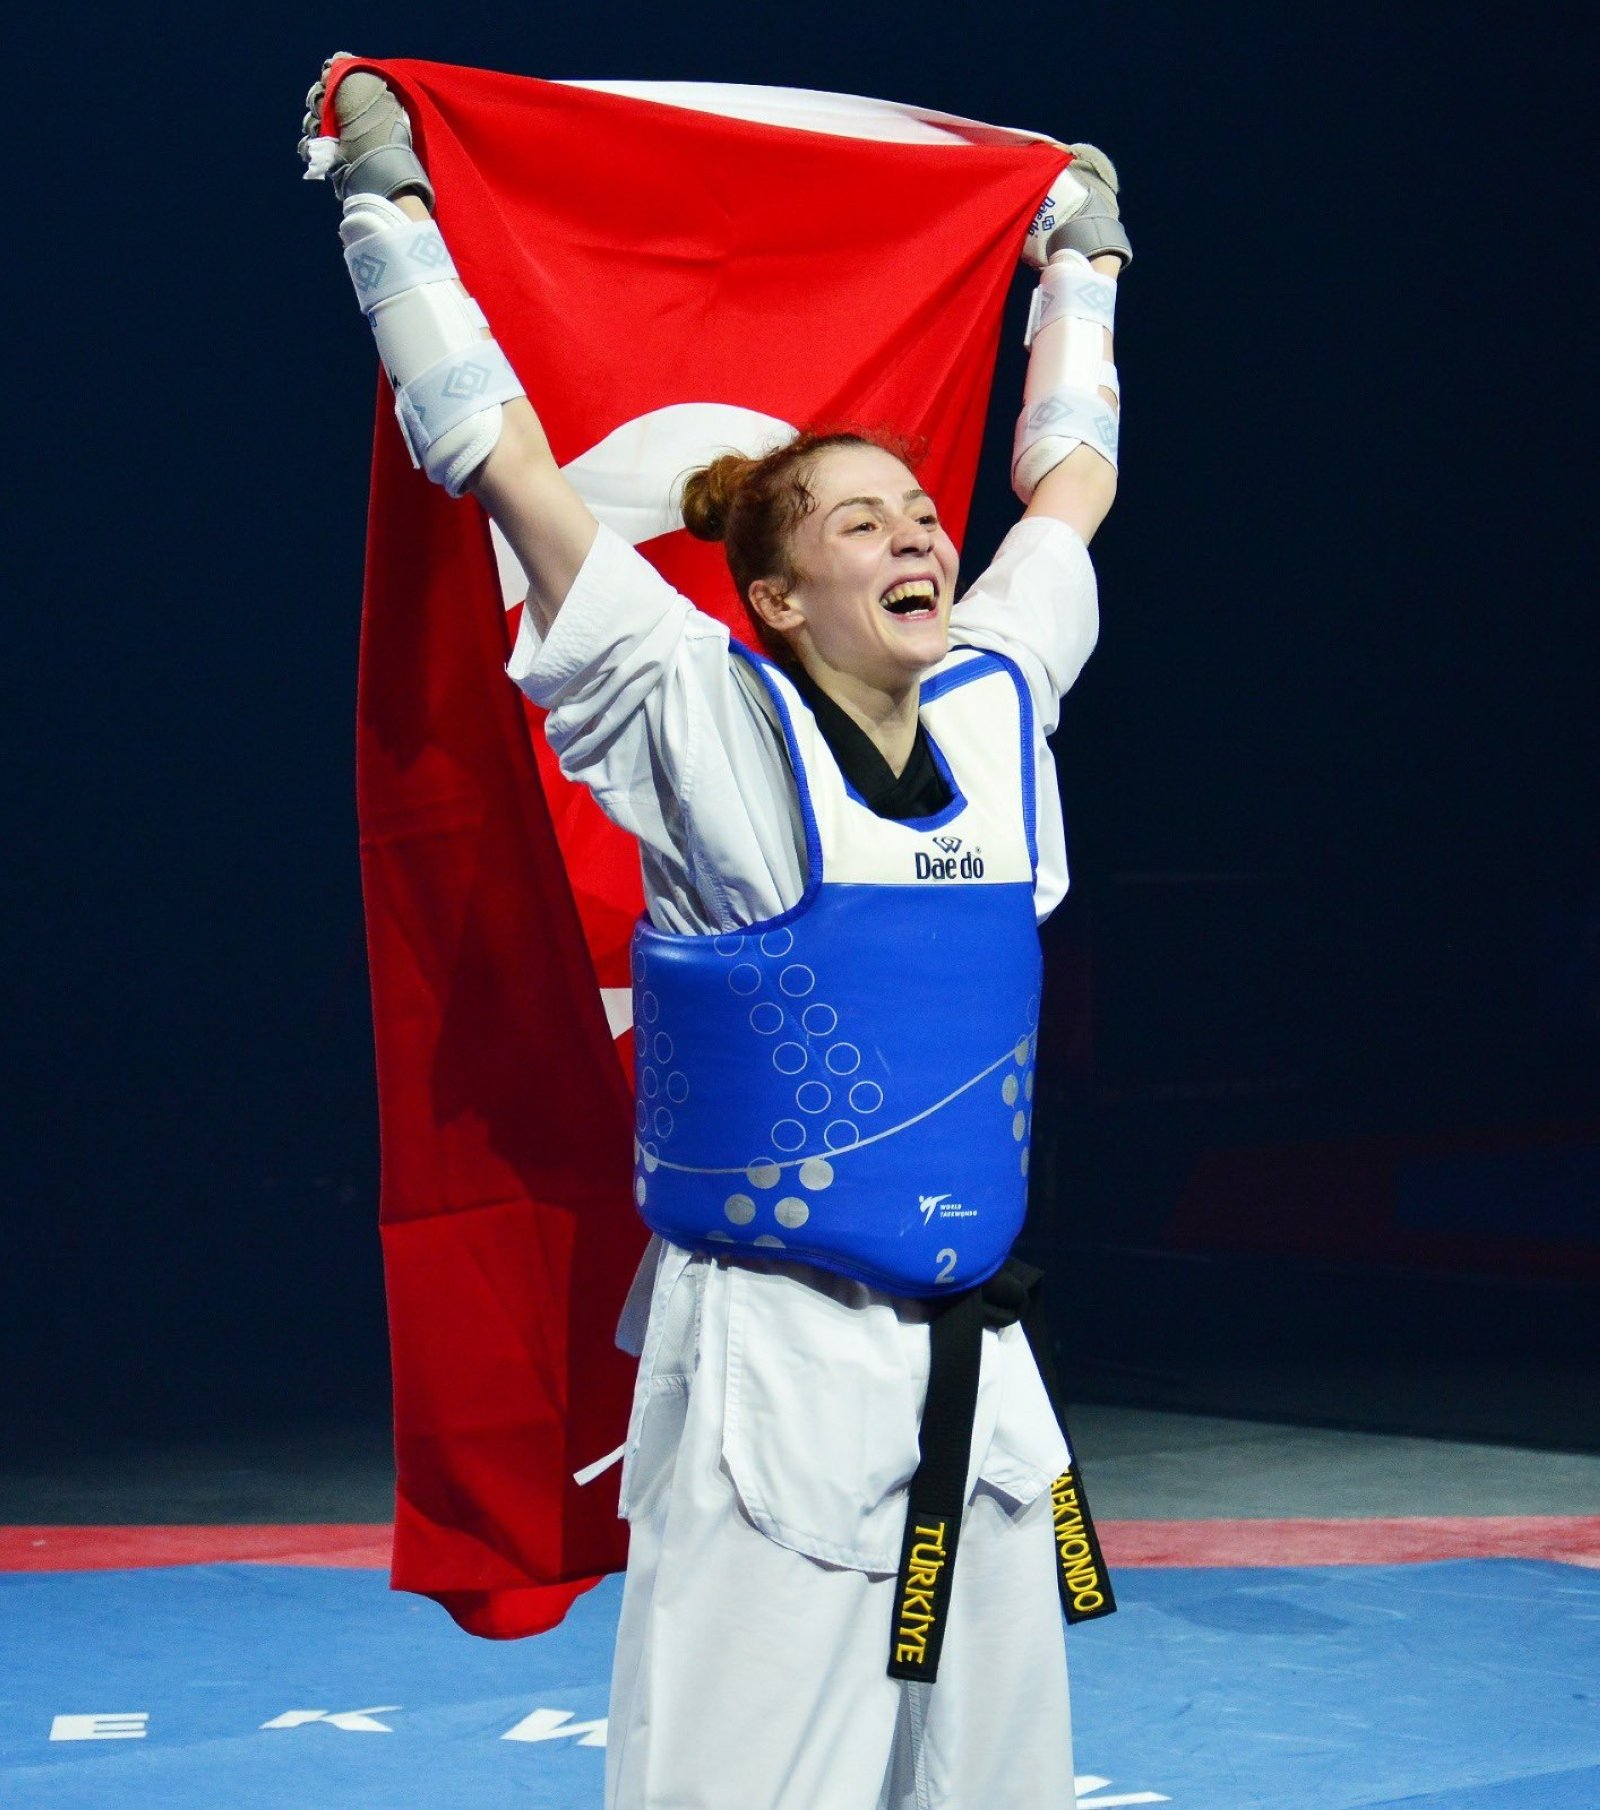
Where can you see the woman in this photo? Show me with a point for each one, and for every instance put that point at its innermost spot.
(881, 778)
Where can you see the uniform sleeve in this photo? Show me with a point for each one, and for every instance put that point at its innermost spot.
(1039, 605)
(647, 709)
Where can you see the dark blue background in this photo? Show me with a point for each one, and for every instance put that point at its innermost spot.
(1347, 657)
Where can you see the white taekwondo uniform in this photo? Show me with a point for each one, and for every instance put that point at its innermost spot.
(775, 1417)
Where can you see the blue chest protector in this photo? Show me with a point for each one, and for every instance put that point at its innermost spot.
(850, 1084)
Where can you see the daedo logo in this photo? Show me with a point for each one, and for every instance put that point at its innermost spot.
(950, 863)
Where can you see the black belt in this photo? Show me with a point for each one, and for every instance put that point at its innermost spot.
(939, 1487)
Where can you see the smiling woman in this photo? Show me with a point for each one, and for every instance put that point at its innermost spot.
(847, 845)
(843, 567)
(829, 534)
(753, 505)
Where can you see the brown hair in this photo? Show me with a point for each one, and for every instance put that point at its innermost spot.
(752, 505)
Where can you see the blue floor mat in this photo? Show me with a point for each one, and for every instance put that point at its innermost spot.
(1467, 1685)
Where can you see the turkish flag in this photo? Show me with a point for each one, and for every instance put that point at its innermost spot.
(671, 270)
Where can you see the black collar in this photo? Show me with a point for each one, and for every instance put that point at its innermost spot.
(919, 791)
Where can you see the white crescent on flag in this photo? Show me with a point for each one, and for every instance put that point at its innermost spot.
(633, 480)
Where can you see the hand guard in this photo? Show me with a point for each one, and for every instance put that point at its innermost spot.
(450, 378)
(372, 154)
(1080, 213)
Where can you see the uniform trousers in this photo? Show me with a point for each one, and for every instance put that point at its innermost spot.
(749, 1676)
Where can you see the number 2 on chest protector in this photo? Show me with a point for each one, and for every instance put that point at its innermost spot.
(946, 1260)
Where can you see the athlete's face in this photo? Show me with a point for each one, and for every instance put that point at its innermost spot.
(875, 572)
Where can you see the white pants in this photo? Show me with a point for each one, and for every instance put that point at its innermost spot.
(751, 1677)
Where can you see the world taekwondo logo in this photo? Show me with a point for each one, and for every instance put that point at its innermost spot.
(928, 1205)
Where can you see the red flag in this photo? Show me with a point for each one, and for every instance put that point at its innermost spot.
(666, 281)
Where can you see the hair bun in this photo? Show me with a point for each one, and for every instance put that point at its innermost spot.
(710, 493)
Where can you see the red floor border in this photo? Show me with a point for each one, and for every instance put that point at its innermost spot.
(1385, 1540)
(1572, 1539)
(358, 1545)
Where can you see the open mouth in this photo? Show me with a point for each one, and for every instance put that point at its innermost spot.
(917, 600)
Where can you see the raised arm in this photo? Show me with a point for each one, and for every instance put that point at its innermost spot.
(461, 407)
(1064, 462)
